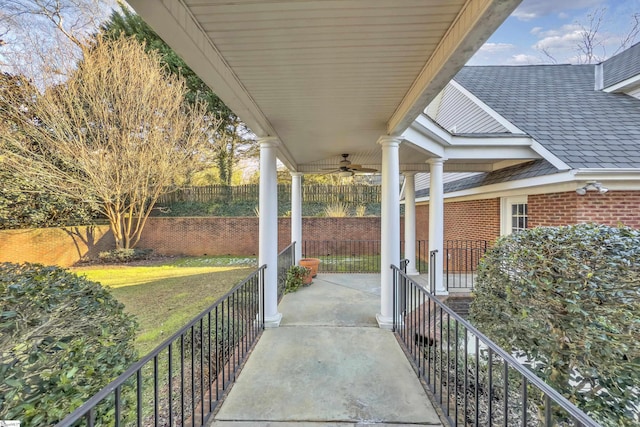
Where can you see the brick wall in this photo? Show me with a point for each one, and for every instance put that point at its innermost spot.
(54, 246)
(239, 236)
(548, 210)
(613, 208)
(468, 220)
(175, 236)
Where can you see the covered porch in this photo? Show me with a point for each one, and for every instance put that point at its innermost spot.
(318, 79)
(315, 80)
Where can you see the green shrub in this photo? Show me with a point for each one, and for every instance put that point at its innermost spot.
(62, 339)
(567, 300)
(295, 278)
(124, 255)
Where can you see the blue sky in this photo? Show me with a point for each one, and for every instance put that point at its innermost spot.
(555, 25)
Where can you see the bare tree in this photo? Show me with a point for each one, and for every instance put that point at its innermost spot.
(117, 134)
(591, 46)
(43, 39)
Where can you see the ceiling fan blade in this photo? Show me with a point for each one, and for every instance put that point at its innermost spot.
(361, 169)
(330, 171)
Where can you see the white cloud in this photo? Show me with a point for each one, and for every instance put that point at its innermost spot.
(491, 48)
(566, 37)
(532, 9)
(536, 30)
(524, 59)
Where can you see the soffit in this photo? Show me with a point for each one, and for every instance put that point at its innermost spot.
(325, 77)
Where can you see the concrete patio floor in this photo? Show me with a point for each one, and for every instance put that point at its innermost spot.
(328, 364)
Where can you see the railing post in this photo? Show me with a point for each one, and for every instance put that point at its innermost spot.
(293, 254)
(262, 304)
(432, 271)
(395, 300)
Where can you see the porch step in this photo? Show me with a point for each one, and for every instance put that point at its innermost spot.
(459, 304)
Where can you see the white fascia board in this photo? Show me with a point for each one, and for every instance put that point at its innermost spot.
(548, 156)
(431, 129)
(494, 115)
(494, 152)
(609, 174)
(491, 141)
(614, 179)
(415, 135)
(624, 85)
(563, 181)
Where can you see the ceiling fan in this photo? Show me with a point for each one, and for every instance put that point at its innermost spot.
(346, 168)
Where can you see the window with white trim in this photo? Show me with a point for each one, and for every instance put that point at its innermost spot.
(518, 217)
(514, 214)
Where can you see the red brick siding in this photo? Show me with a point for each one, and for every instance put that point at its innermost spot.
(422, 222)
(468, 220)
(613, 208)
(472, 220)
(552, 209)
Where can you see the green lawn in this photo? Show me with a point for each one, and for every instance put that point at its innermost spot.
(165, 296)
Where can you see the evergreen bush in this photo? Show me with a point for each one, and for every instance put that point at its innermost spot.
(62, 339)
(567, 301)
(124, 255)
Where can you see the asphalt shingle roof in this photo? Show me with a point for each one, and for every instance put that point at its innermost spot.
(622, 66)
(558, 106)
(525, 170)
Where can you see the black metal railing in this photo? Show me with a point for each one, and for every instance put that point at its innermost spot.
(344, 256)
(286, 258)
(475, 382)
(461, 258)
(363, 256)
(182, 381)
(422, 255)
(433, 257)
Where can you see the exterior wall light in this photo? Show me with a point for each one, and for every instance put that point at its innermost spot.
(591, 186)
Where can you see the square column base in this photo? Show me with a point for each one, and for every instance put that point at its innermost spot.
(273, 321)
(384, 322)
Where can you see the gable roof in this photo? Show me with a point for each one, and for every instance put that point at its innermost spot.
(558, 106)
(622, 66)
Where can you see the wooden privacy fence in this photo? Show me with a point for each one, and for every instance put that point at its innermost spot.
(250, 192)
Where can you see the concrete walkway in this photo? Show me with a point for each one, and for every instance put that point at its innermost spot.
(328, 364)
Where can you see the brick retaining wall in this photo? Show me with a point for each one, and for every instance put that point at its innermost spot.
(175, 236)
(54, 246)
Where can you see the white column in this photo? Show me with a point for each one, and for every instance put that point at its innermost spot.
(410, 222)
(268, 242)
(436, 220)
(296, 213)
(390, 227)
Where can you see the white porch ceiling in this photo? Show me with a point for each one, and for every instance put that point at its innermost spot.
(327, 76)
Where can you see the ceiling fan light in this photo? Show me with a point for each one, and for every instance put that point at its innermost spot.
(345, 174)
